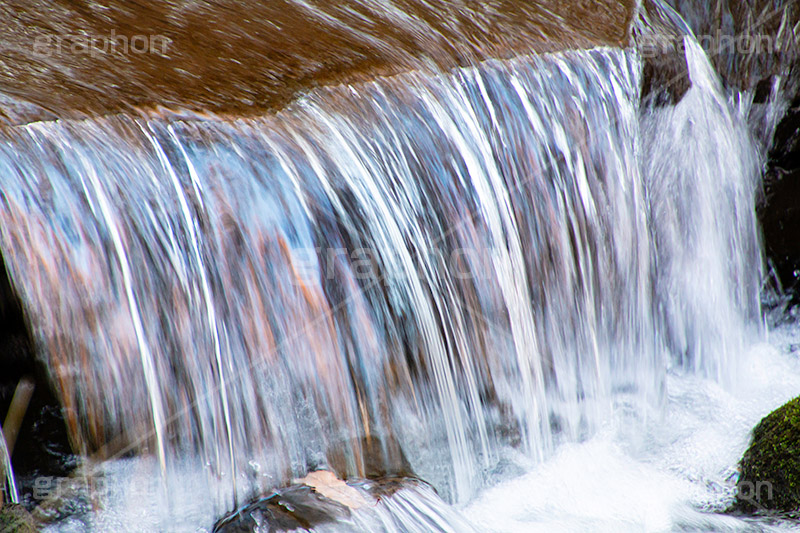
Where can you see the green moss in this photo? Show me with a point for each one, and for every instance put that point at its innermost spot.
(14, 517)
(770, 468)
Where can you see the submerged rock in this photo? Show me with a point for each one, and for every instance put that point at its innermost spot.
(317, 499)
(388, 504)
(377, 458)
(770, 479)
(295, 507)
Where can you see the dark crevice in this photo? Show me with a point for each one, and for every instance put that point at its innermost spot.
(15, 343)
(42, 448)
(779, 212)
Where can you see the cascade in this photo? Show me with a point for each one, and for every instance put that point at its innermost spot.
(452, 272)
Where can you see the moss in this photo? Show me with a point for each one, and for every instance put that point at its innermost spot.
(14, 517)
(770, 468)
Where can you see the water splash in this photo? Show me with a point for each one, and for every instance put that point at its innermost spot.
(703, 170)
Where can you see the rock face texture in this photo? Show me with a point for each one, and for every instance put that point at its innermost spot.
(780, 209)
(770, 479)
(748, 42)
(74, 57)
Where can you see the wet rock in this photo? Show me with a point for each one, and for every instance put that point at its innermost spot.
(60, 499)
(747, 42)
(16, 354)
(379, 457)
(770, 479)
(779, 211)
(329, 500)
(298, 506)
(247, 57)
(665, 79)
(16, 518)
(323, 496)
(42, 451)
(665, 74)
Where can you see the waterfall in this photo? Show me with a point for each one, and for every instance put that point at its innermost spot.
(470, 267)
(703, 170)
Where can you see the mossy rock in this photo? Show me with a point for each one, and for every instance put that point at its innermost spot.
(14, 518)
(770, 468)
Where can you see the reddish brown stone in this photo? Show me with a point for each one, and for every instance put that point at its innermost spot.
(247, 57)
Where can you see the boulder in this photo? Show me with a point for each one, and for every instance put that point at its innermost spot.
(317, 499)
(14, 517)
(251, 57)
(325, 496)
(295, 507)
(770, 468)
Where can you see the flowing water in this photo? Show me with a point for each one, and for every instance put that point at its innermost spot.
(513, 272)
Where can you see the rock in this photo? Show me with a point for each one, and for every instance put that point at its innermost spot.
(322, 498)
(779, 212)
(16, 355)
(295, 507)
(770, 478)
(665, 74)
(14, 517)
(328, 485)
(665, 79)
(747, 42)
(749, 46)
(62, 498)
(42, 448)
(259, 62)
(378, 458)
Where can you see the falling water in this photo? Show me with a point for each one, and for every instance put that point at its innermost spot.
(471, 267)
(702, 172)
(8, 472)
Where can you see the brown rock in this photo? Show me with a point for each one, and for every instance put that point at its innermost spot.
(64, 58)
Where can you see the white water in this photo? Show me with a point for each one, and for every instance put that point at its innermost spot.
(670, 472)
(667, 476)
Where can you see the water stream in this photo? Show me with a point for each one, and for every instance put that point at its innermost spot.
(544, 294)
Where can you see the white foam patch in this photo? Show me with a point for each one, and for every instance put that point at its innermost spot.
(675, 472)
(588, 486)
